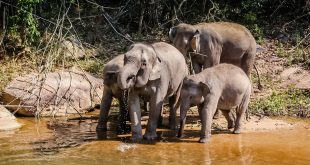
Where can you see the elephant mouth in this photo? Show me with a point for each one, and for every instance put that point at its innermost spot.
(131, 80)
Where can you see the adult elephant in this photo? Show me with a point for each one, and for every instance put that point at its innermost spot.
(218, 42)
(155, 71)
(112, 90)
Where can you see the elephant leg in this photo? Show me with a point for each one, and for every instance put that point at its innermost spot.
(135, 116)
(229, 117)
(184, 106)
(160, 119)
(104, 109)
(146, 106)
(207, 113)
(241, 109)
(197, 67)
(174, 107)
(156, 103)
(199, 110)
(182, 122)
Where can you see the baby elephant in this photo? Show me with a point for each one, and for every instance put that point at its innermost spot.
(111, 90)
(223, 87)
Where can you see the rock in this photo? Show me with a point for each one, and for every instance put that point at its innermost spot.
(7, 120)
(297, 76)
(4, 113)
(260, 49)
(57, 93)
(72, 49)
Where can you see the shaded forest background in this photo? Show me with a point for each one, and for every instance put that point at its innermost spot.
(96, 21)
(34, 34)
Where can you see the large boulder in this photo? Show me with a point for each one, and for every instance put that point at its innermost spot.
(7, 120)
(72, 49)
(51, 94)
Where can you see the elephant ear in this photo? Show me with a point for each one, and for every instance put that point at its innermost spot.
(206, 88)
(155, 73)
(172, 33)
(110, 77)
(195, 41)
(214, 47)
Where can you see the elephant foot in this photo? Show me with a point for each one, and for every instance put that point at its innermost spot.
(150, 136)
(180, 135)
(136, 138)
(101, 127)
(231, 125)
(203, 140)
(101, 135)
(237, 131)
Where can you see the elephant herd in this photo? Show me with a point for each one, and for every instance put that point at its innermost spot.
(222, 55)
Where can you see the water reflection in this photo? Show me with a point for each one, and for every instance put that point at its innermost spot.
(77, 142)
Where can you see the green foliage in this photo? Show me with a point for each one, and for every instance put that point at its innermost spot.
(91, 66)
(293, 55)
(13, 67)
(289, 102)
(24, 22)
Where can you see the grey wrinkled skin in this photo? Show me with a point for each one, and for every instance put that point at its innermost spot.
(111, 89)
(223, 87)
(222, 42)
(156, 72)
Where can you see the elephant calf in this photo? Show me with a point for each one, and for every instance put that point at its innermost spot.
(111, 90)
(223, 87)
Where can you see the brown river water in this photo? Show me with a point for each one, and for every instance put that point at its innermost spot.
(76, 142)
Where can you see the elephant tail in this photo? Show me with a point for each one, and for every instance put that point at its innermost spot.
(259, 85)
(243, 107)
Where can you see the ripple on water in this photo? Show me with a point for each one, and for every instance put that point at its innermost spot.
(122, 147)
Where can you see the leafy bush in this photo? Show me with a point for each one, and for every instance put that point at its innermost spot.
(289, 102)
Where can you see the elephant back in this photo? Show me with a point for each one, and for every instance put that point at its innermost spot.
(174, 61)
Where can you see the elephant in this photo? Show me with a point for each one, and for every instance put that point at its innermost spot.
(154, 71)
(215, 88)
(111, 90)
(214, 43)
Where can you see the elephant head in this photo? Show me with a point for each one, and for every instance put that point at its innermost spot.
(192, 94)
(181, 35)
(141, 64)
(207, 42)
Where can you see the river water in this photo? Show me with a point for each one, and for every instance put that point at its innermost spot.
(76, 142)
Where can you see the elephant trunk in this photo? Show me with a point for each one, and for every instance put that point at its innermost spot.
(143, 77)
(172, 34)
(127, 75)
